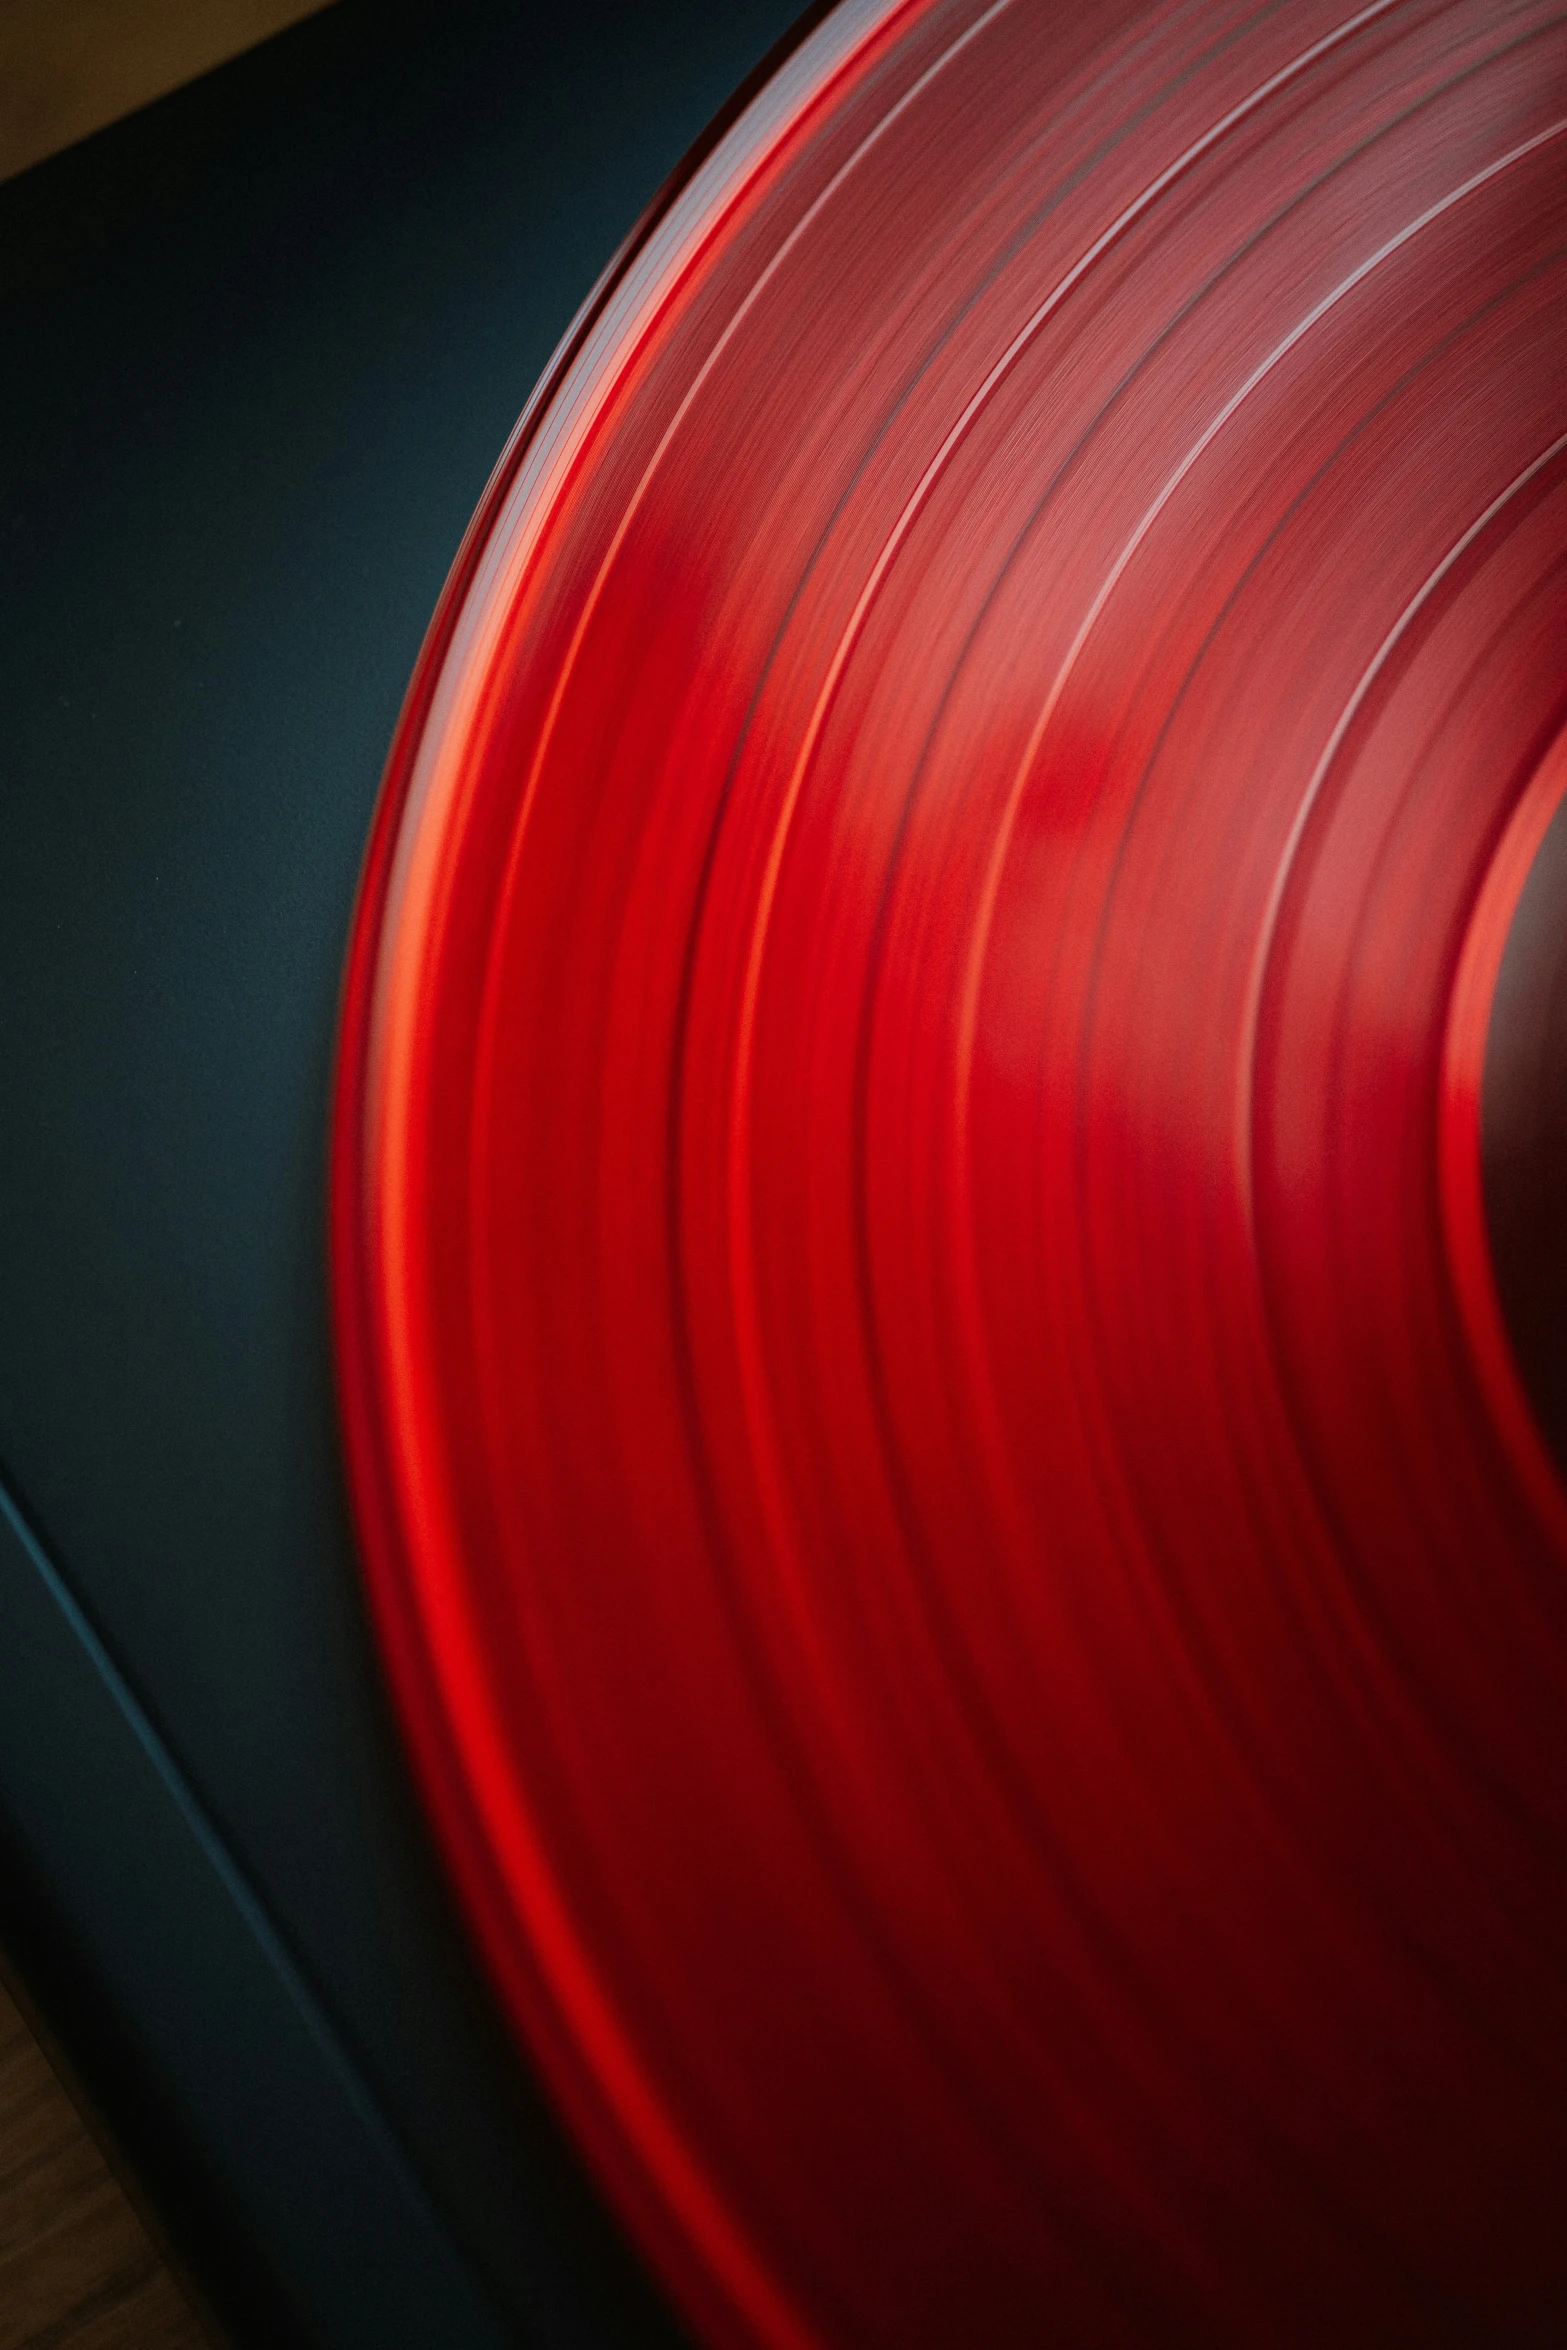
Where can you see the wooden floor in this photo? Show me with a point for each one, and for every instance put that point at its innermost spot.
(78, 2270)
(67, 67)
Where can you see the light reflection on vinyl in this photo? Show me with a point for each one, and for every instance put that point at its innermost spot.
(963, 1520)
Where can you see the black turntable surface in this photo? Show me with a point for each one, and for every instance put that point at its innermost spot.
(263, 344)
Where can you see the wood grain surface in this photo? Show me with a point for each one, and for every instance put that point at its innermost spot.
(78, 2270)
(67, 67)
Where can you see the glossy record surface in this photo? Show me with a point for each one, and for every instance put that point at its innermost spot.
(977, 1594)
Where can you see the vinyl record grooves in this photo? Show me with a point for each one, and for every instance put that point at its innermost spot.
(971, 1557)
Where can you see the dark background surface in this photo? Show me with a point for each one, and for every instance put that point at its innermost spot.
(259, 349)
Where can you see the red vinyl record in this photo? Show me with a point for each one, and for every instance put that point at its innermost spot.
(969, 1549)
